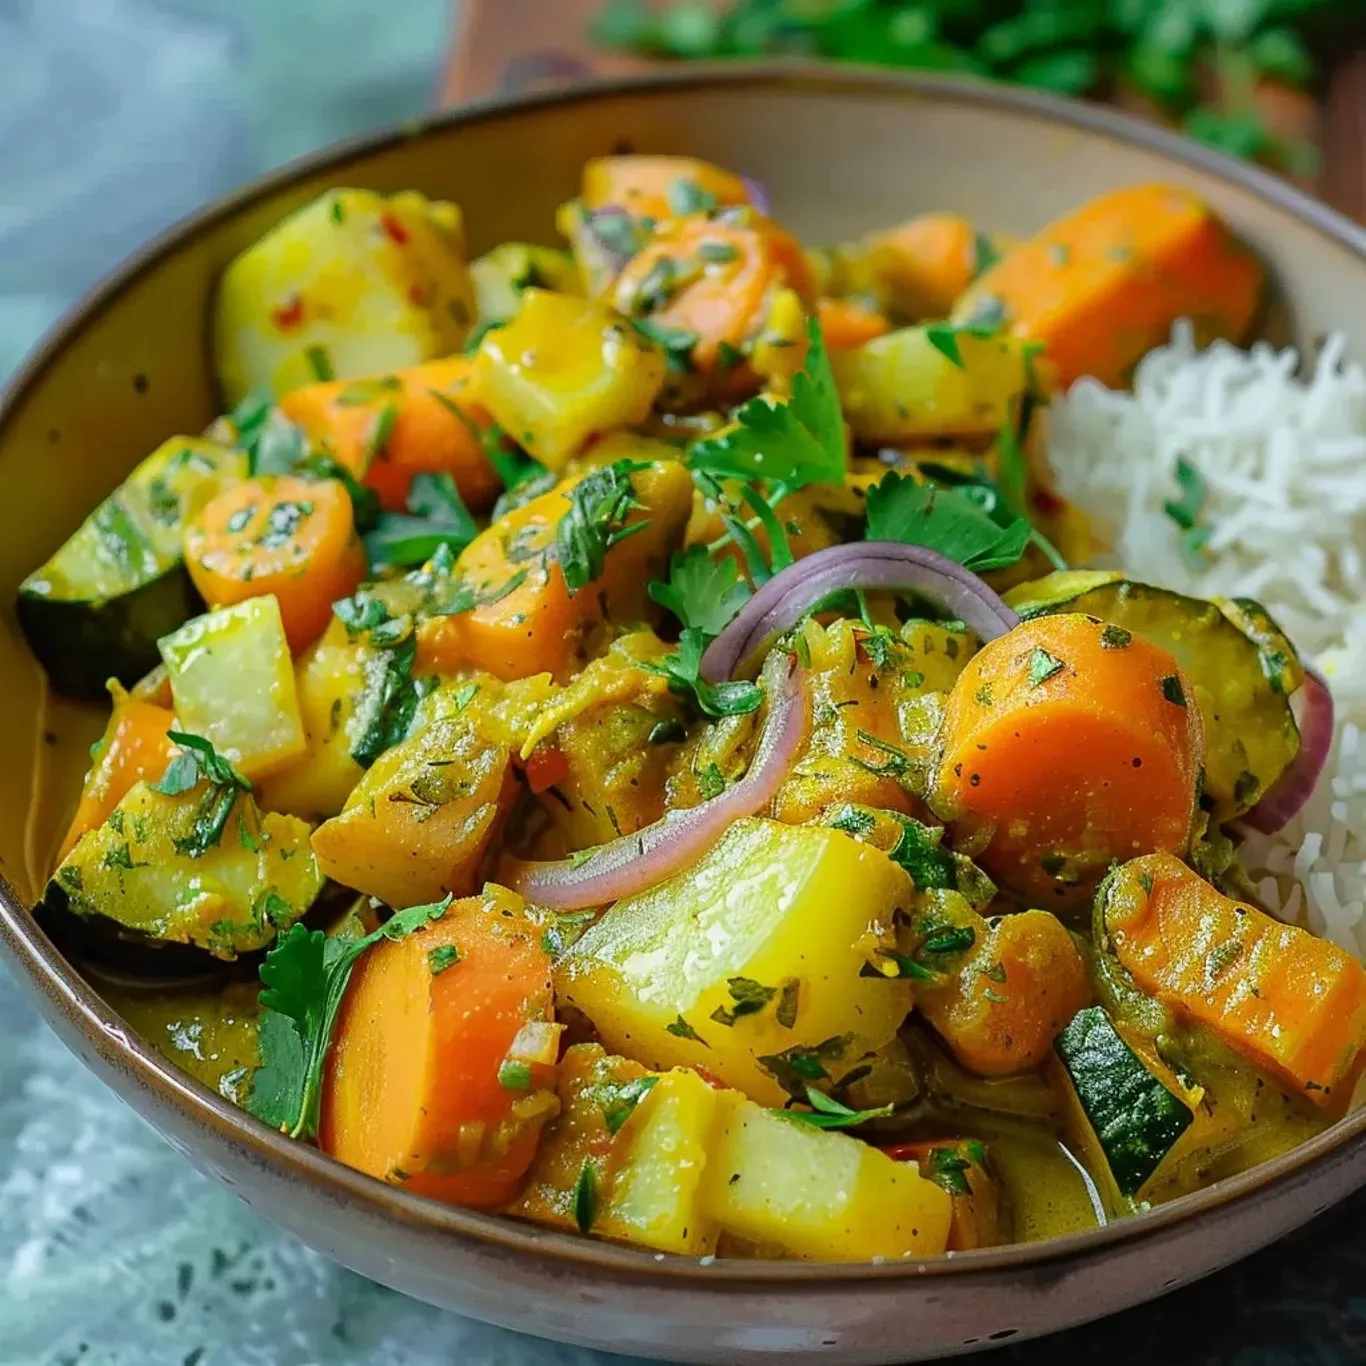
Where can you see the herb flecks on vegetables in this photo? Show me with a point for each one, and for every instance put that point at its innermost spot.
(436, 516)
(596, 521)
(199, 761)
(828, 1113)
(305, 977)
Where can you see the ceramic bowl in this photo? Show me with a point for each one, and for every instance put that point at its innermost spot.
(841, 152)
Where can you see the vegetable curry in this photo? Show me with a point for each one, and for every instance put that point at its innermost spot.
(622, 734)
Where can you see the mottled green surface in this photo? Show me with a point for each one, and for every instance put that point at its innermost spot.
(115, 117)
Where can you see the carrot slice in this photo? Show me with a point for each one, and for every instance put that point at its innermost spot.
(1291, 1002)
(134, 749)
(528, 622)
(959, 1166)
(388, 428)
(1103, 285)
(278, 534)
(925, 264)
(713, 279)
(1066, 744)
(443, 1067)
(659, 187)
(846, 324)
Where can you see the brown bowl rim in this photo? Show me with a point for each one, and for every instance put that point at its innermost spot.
(49, 973)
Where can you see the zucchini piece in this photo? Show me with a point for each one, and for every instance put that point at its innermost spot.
(257, 876)
(1238, 661)
(1133, 1119)
(96, 608)
(232, 679)
(502, 274)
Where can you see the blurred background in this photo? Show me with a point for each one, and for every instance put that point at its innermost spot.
(117, 117)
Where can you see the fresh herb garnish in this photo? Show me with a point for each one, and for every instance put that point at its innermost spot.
(196, 761)
(802, 1063)
(918, 852)
(687, 196)
(436, 516)
(702, 592)
(828, 1113)
(565, 930)
(304, 978)
(948, 1169)
(683, 670)
(596, 521)
(943, 520)
(750, 998)
(794, 443)
(320, 362)
(681, 1029)
(943, 336)
(1042, 666)
(619, 1099)
(1115, 638)
(442, 957)
(950, 939)
(586, 1196)
(386, 706)
(677, 343)
(1172, 689)
(711, 782)
(274, 445)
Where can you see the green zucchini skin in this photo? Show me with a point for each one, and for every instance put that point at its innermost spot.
(81, 645)
(96, 609)
(1136, 1119)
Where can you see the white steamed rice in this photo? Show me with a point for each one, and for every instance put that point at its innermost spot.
(1283, 458)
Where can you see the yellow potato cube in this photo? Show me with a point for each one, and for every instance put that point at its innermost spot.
(900, 387)
(232, 680)
(565, 369)
(331, 678)
(819, 1195)
(748, 964)
(353, 284)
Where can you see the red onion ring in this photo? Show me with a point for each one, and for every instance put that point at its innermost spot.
(758, 195)
(788, 596)
(1285, 798)
(680, 837)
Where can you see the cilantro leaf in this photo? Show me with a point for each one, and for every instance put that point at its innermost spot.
(943, 336)
(794, 443)
(436, 516)
(388, 702)
(274, 445)
(596, 521)
(702, 592)
(304, 979)
(828, 1113)
(943, 520)
(1185, 511)
(196, 761)
(683, 670)
(949, 1170)
(918, 851)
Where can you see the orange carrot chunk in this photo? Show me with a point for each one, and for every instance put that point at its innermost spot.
(714, 281)
(659, 187)
(926, 263)
(846, 324)
(1103, 285)
(278, 534)
(1066, 744)
(1291, 1002)
(443, 1066)
(389, 428)
(134, 749)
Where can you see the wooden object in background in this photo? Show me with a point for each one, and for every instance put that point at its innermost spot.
(515, 45)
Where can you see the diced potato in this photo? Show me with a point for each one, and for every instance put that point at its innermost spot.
(353, 284)
(820, 1195)
(777, 921)
(233, 683)
(421, 821)
(901, 387)
(562, 370)
(504, 274)
(257, 877)
(331, 678)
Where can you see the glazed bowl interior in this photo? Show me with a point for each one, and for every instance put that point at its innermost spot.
(840, 153)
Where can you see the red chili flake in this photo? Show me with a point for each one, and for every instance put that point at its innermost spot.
(393, 229)
(710, 1078)
(1048, 503)
(417, 294)
(288, 316)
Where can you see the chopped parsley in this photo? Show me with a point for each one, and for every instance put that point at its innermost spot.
(436, 516)
(681, 1029)
(794, 1067)
(304, 977)
(619, 1099)
(702, 592)
(198, 761)
(686, 196)
(320, 362)
(683, 670)
(1115, 638)
(596, 521)
(711, 782)
(1042, 666)
(564, 931)
(273, 444)
(794, 443)
(586, 1196)
(514, 1076)
(828, 1113)
(750, 998)
(943, 336)
(948, 1168)
(1172, 689)
(442, 957)
(943, 520)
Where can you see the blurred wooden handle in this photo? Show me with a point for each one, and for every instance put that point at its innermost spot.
(513, 46)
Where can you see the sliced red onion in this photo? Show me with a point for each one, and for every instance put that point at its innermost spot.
(758, 195)
(788, 596)
(1285, 798)
(679, 838)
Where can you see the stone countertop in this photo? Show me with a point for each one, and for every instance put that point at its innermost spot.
(117, 116)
